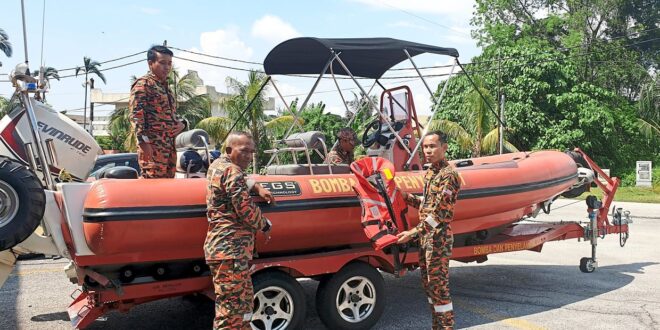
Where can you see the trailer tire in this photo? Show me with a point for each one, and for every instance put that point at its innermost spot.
(279, 302)
(22, 203)
(353, 298)
(587, 265)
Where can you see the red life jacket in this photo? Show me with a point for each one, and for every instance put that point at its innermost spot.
(381, 222)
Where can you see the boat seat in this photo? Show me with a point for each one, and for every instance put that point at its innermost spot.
(118, 172)
(303, 169)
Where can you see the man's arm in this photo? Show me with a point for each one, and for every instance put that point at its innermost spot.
(239, 194)
(412, 200)
(139, 106)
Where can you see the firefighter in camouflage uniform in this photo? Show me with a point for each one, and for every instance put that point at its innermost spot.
(343, 152)
(153, 117)
(436, 211)
(233, 224)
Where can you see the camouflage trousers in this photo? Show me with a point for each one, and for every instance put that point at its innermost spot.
(233, 294)
(162, 163)
(435, 250)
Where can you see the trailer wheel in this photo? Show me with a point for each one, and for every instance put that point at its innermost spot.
(587, 265)
(279, 302)
(354, 298)
(22, 203)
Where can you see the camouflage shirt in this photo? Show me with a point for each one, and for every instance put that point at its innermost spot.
(436, 206)
(152, 109)
(338, 156)
(233, 218)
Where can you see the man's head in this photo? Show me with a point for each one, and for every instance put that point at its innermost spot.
(347, 139)
(434, 146)
(240, 147)
(159, 59)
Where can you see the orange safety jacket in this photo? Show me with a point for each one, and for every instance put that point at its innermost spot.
(383, 207)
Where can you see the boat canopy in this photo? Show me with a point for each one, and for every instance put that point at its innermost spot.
(364, 57)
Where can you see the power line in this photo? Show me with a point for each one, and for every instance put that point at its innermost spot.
(214, 56)
(425, 19)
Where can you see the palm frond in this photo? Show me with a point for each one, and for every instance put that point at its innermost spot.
(216, 127)
(455, 131)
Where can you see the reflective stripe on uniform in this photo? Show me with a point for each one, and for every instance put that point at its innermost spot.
(431, 222)
(247, 317)
(372, 201)
(443, 308)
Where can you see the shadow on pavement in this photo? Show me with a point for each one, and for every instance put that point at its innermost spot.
(477, 291)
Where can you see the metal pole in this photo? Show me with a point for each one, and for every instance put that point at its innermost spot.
(436, 103)
(359, 105)
(295, 115)
(385, 119)
(45, 167)
(501, 127)
(24, 34)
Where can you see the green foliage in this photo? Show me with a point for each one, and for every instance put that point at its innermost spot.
(574, 74)
(5, 45)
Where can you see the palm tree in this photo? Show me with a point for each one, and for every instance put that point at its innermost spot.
(89, 67)
(121, 130)
(481, 135)
(649, 110)
(5, 45)
(49, 72)
(189, 105)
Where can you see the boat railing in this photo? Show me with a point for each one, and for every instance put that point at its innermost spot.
(301, 142)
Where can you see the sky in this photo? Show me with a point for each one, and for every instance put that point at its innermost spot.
(245, 30)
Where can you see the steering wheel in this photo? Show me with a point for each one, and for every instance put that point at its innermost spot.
(369, 138)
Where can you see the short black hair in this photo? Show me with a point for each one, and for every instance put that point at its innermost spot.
(441, 135)
(151, 53)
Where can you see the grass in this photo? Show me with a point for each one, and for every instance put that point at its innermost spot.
(630, 194)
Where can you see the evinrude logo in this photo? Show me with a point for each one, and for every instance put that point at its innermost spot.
(66, 138)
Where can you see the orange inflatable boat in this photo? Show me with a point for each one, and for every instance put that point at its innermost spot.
(136, 220)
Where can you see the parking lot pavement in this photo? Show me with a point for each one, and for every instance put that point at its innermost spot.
(518, 290)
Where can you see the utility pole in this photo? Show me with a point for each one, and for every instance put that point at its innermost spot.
(499, 97)
(91, 108)
(501, 124)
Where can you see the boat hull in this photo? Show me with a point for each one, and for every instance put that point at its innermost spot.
(157, 218)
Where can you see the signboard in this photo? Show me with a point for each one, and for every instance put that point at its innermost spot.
(644, 173)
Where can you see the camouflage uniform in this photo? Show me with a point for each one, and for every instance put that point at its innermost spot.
(152, 111)
(233, 224)
(436, 211)
(337, 155)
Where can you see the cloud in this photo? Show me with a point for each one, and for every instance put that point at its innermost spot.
(149, 10)
(273, 29)
(224, 43)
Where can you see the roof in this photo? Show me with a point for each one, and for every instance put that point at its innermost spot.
(364, 57)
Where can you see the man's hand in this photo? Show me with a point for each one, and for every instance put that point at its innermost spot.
(265, 194)
(406, 236)
(147, 152)
(266, 230)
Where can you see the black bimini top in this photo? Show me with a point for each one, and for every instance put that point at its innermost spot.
(364, 57)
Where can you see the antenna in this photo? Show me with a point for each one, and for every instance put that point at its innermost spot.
(25, 36)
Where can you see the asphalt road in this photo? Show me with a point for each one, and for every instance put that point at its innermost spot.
(519, 290)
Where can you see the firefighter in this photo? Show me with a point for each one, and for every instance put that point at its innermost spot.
(343, 152)
(233, 223)
(153, 117)
(436, 211)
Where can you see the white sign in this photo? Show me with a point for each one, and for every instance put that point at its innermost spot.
(644, 173)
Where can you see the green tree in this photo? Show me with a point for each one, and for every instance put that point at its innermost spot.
(189, 105)
(90, 67)
(254, 120)
(5, 45)
(649, 110)
(49, 73)
(120, 130)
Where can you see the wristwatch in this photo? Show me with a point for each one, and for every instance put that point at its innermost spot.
(144, 139)
(267, 226)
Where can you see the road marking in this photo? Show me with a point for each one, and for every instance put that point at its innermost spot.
(517, 323)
